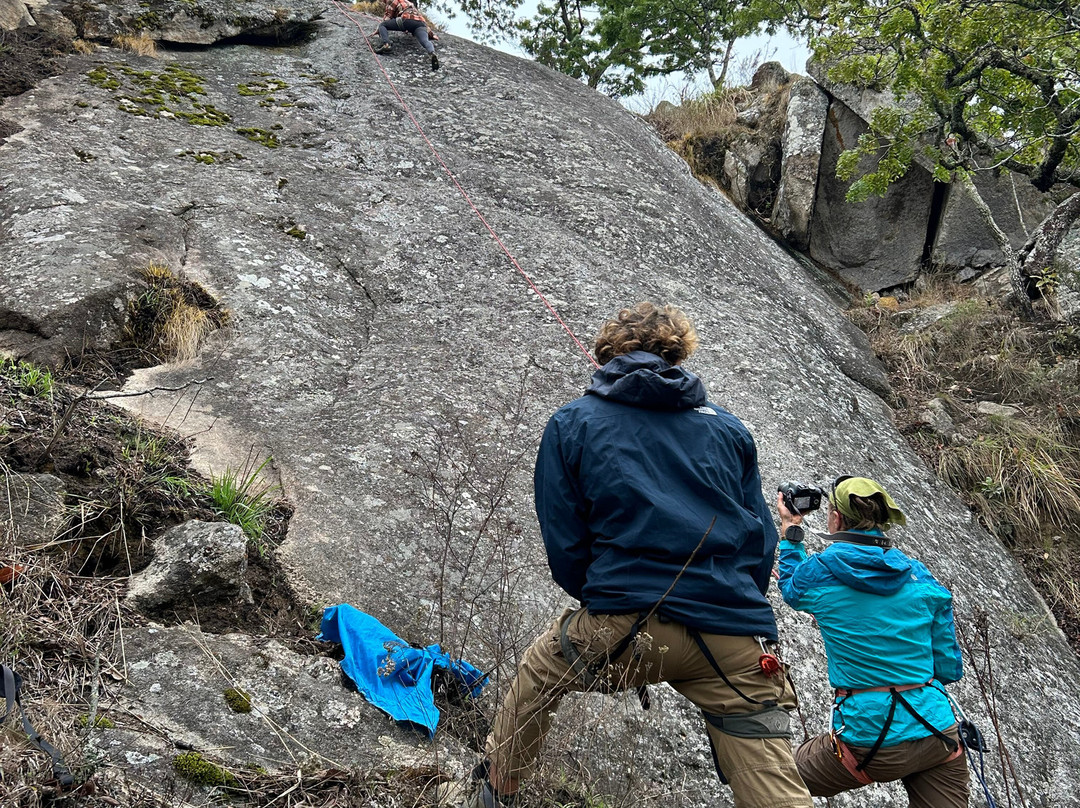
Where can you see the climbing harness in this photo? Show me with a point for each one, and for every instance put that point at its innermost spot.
(843, 751)
(590, 672)
(770, 721)
(464, 193)
(12, 684)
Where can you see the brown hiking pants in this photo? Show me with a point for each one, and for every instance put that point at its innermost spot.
(930, 782)
(761, 771)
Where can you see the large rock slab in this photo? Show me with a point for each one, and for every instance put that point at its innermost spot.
(301, 714)
(807, 113)
(963, 239)
(192, 22)
(399, 370)
(878, 243)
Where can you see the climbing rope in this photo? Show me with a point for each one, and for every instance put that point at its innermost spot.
(355, 21)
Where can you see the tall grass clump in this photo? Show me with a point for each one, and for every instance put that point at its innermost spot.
(243, 498)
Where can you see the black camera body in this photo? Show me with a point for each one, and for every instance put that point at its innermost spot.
(801, 498)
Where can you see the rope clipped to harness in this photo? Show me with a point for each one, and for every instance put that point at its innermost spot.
(12, 684)
(973, 742)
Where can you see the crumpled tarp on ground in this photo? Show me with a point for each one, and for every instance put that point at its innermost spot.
(390, 673)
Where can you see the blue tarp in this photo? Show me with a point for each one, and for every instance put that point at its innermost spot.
(390, 673)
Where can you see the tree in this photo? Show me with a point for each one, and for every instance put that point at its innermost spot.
(979, 85)
(614, 45)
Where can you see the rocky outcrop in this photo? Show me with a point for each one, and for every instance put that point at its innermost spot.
(800, 149)
(398, 369)
(875, 244)
(195, 561)
(194, 22)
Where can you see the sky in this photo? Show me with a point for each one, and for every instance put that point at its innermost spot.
(748, 53)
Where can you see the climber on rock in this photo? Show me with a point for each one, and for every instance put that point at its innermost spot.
(891, 646)
(650, 505)
(401, 15)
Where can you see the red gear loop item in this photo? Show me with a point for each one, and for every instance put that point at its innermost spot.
(768, 662)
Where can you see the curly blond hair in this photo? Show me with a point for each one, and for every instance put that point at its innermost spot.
(666, 332)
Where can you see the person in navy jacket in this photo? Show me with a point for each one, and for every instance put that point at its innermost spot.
(891, 646)
(650, 505)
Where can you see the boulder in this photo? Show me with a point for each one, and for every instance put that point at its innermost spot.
(918, 320)
(768, 77)
(807, 111)
(200, 561)
(14, 14)
(876, 244)
(195, 22)
(936, 417)
(1067, 266)
(996, 410)
(963, 239)
(33, 510)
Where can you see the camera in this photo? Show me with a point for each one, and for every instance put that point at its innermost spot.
(801, 498)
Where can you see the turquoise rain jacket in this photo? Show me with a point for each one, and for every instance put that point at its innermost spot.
(629, 478)
(885, 621)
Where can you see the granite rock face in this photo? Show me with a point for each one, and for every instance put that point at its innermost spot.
(399, 370)
(14, 14)
(875, 244)
(962, 237)
(192, 22)
(800, 147)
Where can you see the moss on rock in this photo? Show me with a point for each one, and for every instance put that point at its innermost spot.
(238, 700)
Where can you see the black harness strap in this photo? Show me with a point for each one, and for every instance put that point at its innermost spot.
(591, 673)
(720, 672)
(12, 684)
(897, 698)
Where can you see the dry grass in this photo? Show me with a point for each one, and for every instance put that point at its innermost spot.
(1021, 475)
(375, 8)
(173, 316)
(84, 46)
(140, 44)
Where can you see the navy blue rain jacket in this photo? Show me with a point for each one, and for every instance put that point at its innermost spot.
(628, 478)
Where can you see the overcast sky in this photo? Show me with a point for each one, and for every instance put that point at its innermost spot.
(749, 52)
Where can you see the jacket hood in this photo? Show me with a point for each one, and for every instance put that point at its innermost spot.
(867, 569)
(642, 379)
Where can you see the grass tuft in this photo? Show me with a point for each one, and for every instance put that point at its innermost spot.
(28, 379)
(140, 44)
(242, 498)
(1021, 475)
(170, 320)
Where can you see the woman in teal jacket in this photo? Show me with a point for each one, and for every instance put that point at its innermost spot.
(891, 646)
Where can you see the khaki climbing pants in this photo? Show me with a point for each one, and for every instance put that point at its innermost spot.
(761, 771)
(930, 782)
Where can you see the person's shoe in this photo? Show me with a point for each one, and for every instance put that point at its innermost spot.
(383, 48)
(434, 61)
